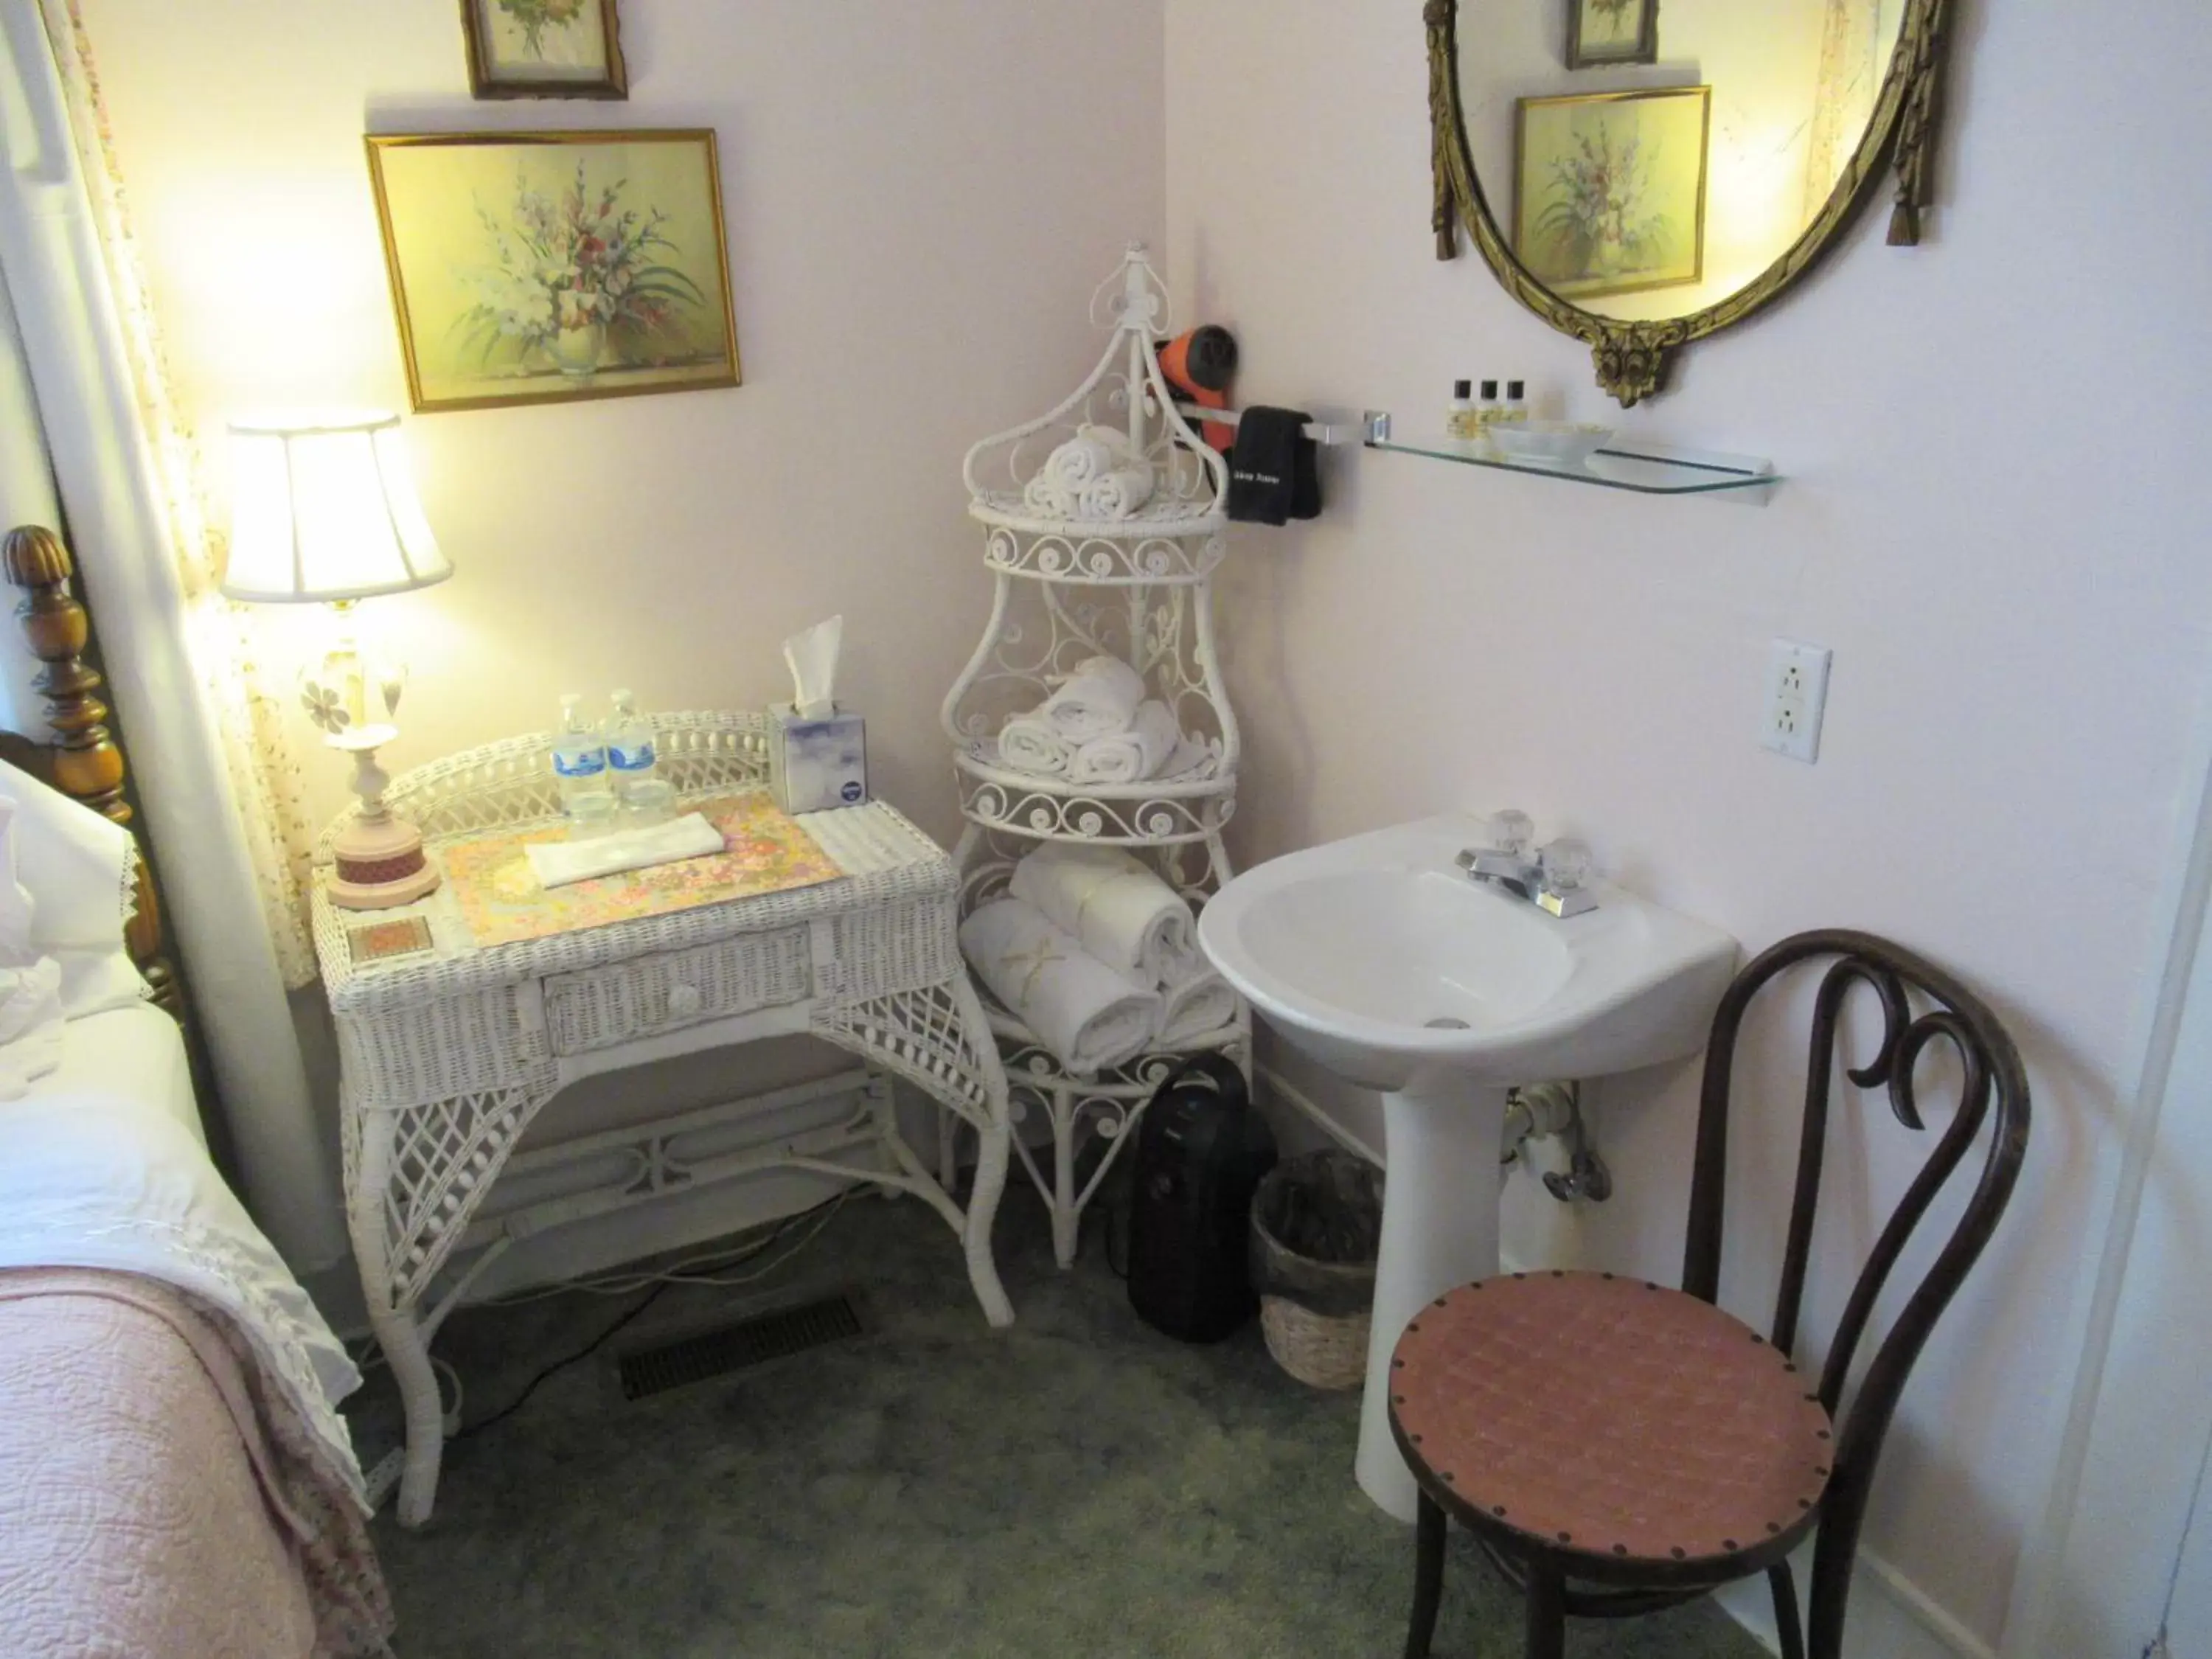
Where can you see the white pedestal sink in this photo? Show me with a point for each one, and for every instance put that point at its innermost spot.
(1378, 958)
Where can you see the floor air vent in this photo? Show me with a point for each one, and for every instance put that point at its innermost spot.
(776, 1334)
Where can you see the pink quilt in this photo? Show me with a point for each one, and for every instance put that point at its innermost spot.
(159, 1497)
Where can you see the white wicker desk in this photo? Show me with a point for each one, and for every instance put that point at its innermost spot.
(446, 1057)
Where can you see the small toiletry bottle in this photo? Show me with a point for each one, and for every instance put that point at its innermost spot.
(1487, 411)
(1459, 416)
(1516, 411)
(579, 759)
(629, 748)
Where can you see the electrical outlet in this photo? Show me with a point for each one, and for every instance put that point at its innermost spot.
(1796, 693)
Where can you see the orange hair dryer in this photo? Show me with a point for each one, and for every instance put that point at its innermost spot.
(1198, 364)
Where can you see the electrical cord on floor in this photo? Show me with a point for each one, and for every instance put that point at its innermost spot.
(822, 1214)
(468, 1430)
(693, 1270)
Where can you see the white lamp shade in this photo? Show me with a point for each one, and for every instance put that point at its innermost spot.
(324, 507)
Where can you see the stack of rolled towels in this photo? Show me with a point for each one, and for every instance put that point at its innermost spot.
(1093, 475)
(1097, 955)
(1098, 728)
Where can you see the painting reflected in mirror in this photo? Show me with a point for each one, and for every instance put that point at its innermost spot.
(1626, 162)
(1609, 190)
(1727, 144)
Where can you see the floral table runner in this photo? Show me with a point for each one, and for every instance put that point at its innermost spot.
(765, 851)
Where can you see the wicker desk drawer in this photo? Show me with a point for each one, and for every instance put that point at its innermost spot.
(671, 989)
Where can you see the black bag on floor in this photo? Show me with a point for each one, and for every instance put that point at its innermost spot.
(1201, 1149)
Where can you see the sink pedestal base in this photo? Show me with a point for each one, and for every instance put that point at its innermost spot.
(1439, 1230)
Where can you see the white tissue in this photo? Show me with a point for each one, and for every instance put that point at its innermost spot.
(813, 659)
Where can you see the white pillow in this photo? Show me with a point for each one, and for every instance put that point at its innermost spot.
(78, 866)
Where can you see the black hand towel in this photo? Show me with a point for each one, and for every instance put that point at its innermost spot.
(1273, 477)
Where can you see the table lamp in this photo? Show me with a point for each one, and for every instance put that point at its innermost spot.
(323, 511)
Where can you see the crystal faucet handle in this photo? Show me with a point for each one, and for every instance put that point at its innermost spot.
(1510, 831)
(1567, 864)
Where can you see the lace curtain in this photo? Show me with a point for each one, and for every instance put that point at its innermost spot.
(247, 702)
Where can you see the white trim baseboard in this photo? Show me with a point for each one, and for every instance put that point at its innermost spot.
(1891, 1617)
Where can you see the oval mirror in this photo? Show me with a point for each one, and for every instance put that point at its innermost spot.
(1643, 172)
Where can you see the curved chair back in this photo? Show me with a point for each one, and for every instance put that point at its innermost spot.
(1994, 1085)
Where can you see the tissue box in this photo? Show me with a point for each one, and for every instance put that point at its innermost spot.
(816, 764)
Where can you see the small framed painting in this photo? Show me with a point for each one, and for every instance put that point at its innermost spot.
(1600, 31)
(543, 49)
(543, 267)
(1609, 190)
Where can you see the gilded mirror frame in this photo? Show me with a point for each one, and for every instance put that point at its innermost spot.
(1633, 357)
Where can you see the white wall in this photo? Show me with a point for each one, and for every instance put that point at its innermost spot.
(920, 199)
(2017, 597)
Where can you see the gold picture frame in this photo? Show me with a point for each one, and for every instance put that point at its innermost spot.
(1609, 189)
(1597, 40)
(550, 267)
(544, 49)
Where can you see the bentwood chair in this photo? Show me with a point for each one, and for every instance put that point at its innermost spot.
(1616, 1447)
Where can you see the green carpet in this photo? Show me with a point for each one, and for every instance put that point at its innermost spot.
(1078, 1485)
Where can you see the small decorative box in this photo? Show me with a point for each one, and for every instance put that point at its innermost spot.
(814, 765)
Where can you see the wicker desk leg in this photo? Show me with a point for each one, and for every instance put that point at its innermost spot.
(393, 1321)
(993, 1152)
(402, 1342)
(992, 1157)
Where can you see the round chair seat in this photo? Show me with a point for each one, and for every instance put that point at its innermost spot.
(1609, 1419)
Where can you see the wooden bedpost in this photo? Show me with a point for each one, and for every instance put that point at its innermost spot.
(84, 762)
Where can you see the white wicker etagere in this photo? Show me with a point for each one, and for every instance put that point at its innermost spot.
(446, 1057)
(1065, 589)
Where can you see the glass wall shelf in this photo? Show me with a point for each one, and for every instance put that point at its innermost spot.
(1647, 469)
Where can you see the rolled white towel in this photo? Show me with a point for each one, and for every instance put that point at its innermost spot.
(1129, 756)
(1049, 499)
(1192, 1007)
(1088, 1015)
(559, 862)
(1113, 437)
(1028, 744)
(1120, 911)
(1082, 458)
(1117, 493)
(1100, 697)
(1189, 756)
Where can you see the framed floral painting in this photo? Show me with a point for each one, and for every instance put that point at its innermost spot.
(540, 267)
(543, 49)
(1609, 190)
(1600, 31)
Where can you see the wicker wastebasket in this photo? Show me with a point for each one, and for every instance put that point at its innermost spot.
(1317, 1220)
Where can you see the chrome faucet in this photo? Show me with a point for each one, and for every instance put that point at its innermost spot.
(1553, 880)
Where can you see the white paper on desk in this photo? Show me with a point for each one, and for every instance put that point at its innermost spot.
(560, 862)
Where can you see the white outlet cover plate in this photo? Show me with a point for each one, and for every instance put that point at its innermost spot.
(1796, 696)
